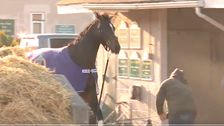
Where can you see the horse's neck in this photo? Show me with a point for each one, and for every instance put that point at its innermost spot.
(84, 52)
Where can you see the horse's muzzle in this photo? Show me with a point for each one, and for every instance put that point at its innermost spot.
(117, 49)
(117, 46)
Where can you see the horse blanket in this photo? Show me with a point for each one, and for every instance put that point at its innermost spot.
(59, 61)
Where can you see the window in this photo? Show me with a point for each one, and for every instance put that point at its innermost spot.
(37, 22)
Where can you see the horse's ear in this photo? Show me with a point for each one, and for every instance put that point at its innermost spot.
(97, 15)
(111, 17)
(114, 15)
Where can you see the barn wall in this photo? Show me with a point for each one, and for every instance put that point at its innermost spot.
(152, 23)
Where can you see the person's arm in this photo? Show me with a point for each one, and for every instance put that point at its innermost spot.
(160, 99)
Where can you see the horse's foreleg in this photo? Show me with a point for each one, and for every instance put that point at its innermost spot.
(95, 106)
(91, 99)
(90, 96)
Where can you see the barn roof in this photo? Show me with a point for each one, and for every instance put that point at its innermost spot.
(128, 4)
(67, 2)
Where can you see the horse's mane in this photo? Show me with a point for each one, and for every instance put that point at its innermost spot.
(82, 34)
(105, 16)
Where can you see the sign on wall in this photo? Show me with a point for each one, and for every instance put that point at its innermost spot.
(8, 26)
(70, 29)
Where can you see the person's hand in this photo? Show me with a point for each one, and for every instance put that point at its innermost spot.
(163, 116)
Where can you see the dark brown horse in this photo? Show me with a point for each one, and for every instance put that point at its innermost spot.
(77, 60)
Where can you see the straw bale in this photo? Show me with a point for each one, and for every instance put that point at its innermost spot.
(5, 51)
(29, 94)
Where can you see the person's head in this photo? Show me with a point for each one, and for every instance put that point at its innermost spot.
(178, 74)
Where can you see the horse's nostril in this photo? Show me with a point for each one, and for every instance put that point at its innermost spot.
(117, 49)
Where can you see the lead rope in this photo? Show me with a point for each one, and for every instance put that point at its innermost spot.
(104, 75)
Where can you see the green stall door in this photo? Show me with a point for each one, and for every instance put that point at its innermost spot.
(123, 67)
(146, 70)
(134, 68)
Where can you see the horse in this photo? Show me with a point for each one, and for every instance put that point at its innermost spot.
(76, 61)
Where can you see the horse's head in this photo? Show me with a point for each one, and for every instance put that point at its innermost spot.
(107, 33)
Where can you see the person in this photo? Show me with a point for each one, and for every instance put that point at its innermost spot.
(180, 101)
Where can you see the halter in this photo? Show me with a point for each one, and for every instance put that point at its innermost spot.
(106, 47)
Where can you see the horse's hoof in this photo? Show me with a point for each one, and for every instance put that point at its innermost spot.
(100, 123)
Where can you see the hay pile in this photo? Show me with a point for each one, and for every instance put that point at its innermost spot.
(29, 94)
(5, 51)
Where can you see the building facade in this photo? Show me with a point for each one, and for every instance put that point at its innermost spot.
(38, 16)
(156, 37)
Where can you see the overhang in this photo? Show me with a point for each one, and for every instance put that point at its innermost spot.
(136, 6)
(132, 5)
(83, 7)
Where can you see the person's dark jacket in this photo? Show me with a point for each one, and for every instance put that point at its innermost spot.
(177, 94)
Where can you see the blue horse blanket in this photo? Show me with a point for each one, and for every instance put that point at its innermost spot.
(59, 61)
